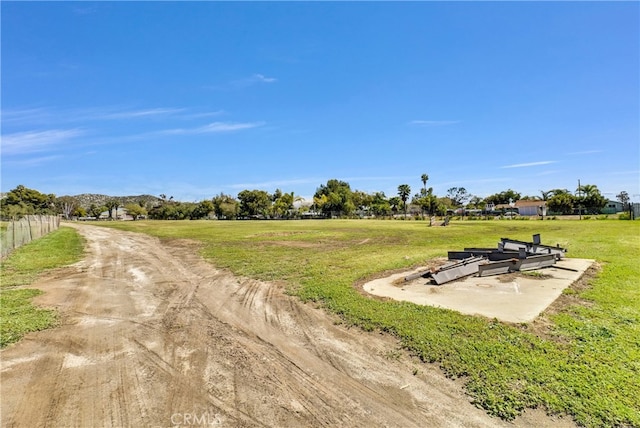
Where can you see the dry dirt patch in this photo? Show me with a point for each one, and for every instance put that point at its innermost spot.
(152, 335)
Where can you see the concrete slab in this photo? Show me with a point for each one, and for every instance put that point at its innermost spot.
(520, 299)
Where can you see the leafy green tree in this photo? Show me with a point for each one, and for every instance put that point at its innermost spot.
(362, 201)
(283, 204)
(589, 196)
(503, 197)
(22, 201)
(183, 211)
(225, 207)
(394, 204)
(380, 205)
(16, 211)
(458, 196)
(276, 195)
(442, 205)
(95, 210)
(319, 202)
(254, 203)
(421, 200)
(172, 211)
(334, 198)
(79, 212)
(475, 202)
(562, 202)
(135, 210)
(623, 198)
(202, 210)
(426, 200)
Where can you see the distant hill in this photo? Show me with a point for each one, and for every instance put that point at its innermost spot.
(86, 199)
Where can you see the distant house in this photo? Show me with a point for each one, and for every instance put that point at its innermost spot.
(525, 207)
(613, 207)
(119, 214)
(529, 207)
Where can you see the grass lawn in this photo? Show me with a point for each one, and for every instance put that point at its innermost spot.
(587, 365)
(17, 315)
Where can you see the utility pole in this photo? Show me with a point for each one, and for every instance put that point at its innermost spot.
(579, 200)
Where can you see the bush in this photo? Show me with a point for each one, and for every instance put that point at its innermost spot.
(624, 216)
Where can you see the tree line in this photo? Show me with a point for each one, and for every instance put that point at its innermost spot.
(332, 199)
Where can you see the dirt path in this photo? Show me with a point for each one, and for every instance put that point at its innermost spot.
(151, 335)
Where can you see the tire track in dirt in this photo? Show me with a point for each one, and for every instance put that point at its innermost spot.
(151, 334)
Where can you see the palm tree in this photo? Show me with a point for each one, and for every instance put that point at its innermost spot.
(112, 205)
(589, 197)
(587, 190)
(404, 191)
(424, 179)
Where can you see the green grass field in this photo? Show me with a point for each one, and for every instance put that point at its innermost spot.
(587, 365)
(17, 315)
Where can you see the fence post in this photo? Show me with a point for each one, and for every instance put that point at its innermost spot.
(13, 230)
(23, 231)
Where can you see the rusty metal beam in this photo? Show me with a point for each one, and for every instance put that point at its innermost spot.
(421, 274)
(515, 265)
(457, 270)
(534, 247)
(492, 254)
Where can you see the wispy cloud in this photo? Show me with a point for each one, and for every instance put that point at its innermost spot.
(433, 122)
(261, 78)
(37, 161)
(133, 114)
(212, 128)
(549, 172)
(50, 115)
(528, 164)
(254, 79)
(25, 115)
(204, 115)
(586, 152)
(37, 141)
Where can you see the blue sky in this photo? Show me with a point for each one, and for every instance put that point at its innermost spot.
(196, 98)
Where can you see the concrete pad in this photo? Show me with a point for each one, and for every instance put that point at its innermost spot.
(519, 299)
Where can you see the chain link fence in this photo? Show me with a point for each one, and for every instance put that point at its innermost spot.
(25, 230)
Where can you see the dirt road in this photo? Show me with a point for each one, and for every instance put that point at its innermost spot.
(151, 335)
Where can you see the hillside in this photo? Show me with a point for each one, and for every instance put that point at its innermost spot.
(86, 199)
